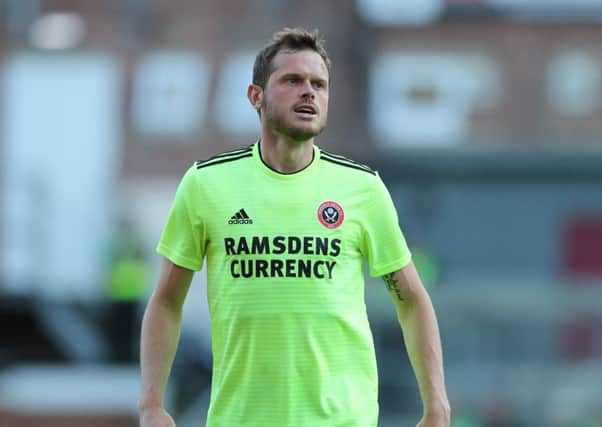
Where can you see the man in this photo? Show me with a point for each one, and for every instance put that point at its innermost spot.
(284, 228)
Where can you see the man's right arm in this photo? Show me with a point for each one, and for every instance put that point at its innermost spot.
(159, 340)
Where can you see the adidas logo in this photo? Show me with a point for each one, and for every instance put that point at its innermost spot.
(240, 217)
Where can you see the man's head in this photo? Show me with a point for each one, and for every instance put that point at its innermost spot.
(290, 87)
(292, 40)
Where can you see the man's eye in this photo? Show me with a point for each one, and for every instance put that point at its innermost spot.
(293, 81)
(318, 85)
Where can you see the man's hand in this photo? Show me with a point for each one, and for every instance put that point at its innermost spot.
(156, 417)
(435, 421)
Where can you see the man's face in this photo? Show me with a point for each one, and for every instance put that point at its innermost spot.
(295, 99)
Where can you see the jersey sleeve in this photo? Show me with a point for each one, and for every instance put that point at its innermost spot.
(383, 243)
(183, 237)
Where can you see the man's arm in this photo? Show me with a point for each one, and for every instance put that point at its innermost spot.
(421, 334)
(159, 340)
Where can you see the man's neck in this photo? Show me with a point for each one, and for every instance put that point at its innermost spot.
(284, 155)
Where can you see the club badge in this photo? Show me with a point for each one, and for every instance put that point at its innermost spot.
(330, 214)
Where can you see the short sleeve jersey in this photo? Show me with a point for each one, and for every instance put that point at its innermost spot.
(291, 341)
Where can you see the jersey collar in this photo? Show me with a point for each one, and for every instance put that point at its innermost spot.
(285, 176)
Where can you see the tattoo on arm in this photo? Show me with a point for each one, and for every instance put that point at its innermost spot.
(391, 283)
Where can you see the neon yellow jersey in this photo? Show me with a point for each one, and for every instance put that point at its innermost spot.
(291, 342)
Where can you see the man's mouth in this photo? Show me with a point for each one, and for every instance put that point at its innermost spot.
(306, 109)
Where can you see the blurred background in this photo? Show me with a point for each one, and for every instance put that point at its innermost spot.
(484, 118)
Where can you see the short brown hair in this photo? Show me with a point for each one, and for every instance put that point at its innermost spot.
(293, 39)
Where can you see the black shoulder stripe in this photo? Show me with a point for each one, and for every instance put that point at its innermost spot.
(336, 156)
(232, 153)
(345, 161)
(349, 165)
(217, 161)
(227, 154)
(343, 158)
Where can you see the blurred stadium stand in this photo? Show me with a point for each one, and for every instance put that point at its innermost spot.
(484, 117)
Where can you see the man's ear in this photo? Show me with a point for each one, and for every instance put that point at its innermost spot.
(255, 95)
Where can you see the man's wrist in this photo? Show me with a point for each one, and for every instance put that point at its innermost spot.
(149, 406)
(440, 410)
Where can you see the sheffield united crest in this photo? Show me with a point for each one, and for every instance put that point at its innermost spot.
(330, 214)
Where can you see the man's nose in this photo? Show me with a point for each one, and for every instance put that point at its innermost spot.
(308, 90)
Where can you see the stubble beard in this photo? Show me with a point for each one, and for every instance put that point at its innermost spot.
(277, 121)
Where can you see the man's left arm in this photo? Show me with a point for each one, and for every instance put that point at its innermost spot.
(418, 322)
